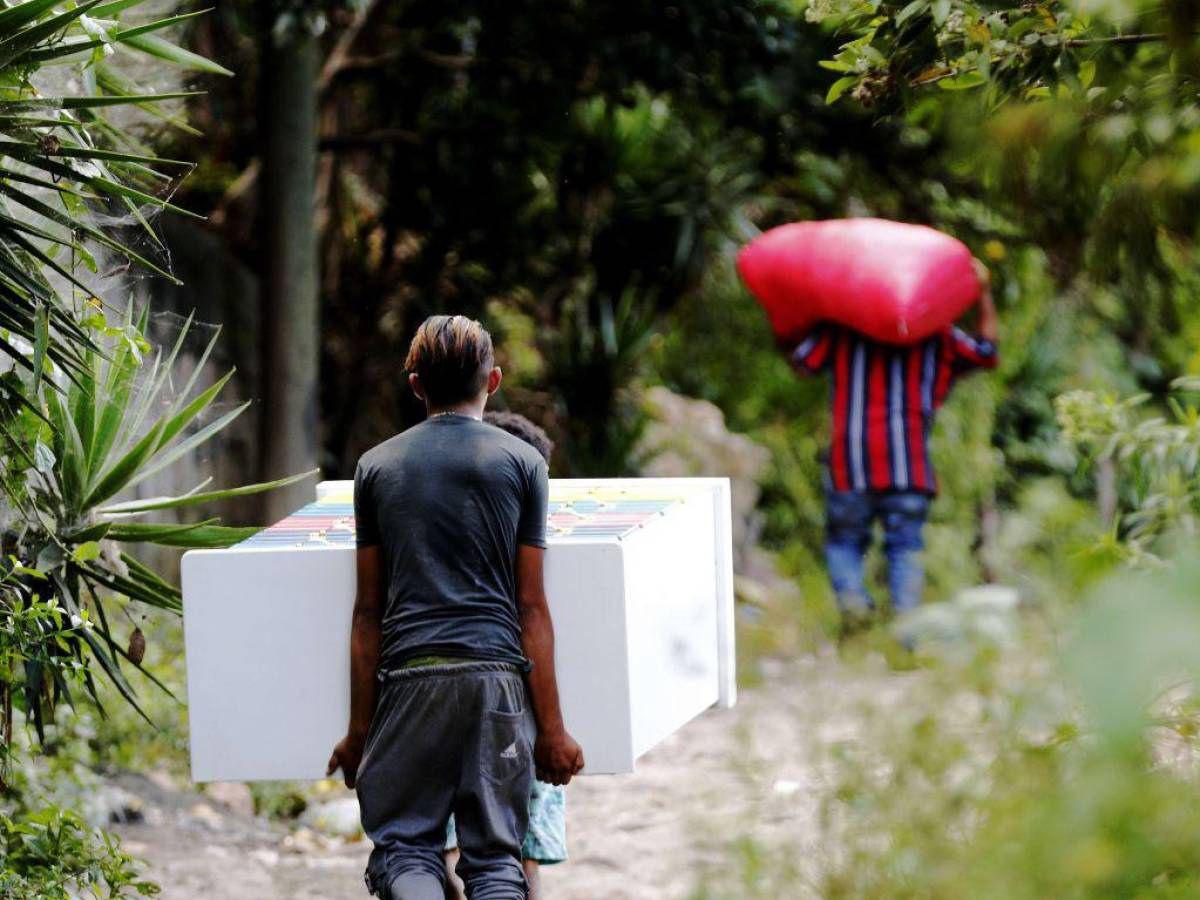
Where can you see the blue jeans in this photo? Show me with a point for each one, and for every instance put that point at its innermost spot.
(849, 518)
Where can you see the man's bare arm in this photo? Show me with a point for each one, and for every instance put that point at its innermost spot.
(364, 660)
(989, 322)
(557, 756)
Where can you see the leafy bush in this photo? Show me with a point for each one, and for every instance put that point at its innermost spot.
(1153, 462)
(52, 853)
(1065, 768)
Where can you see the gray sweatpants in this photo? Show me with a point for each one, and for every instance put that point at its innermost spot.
(448, 738)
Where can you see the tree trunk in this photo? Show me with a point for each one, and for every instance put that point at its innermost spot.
(289, 295)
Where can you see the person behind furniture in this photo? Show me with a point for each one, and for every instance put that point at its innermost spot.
(546, 840)
(454, 701)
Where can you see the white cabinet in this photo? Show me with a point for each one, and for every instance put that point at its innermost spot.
(640, 584)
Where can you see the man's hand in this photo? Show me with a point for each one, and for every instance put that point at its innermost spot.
(557, 757)
(982, 272)
(346, 756)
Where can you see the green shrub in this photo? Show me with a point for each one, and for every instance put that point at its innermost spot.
(52, 853)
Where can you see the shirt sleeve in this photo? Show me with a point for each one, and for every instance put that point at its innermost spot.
(531, 530)
(971, 352)
(366, 523)
(812, 354)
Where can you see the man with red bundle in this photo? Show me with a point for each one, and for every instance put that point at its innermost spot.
(884, 399)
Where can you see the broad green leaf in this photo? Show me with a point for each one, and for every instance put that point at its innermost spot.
(22, 14)
(60, 186)
(167, 457)
(839, 87)
(62, 219)
(203, 535)
(916, 6)
(93, 532)
(66, 48)
(139, 506)
(197, 368)
(142, 573)
(81, 406)
(15, 44)
(175, 423)
(70, 452)
(9, 107)
(41, 342)
(110, 9)
(35, 251)
(29, 573)
(27, 123)
(154, 384)
(33, 154)
(177, 56)
(118, 475)
(86, 552)
(33, 695)
(211, 537)
(134, 590)
(114, 407)
(963, 82)
(116, 189)
(135, 532)
(1087, 73)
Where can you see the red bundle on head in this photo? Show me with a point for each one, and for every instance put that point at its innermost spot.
(893, 282)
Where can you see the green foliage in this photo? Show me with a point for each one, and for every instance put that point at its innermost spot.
(52, 853)
(101, 433)
(1062, 768)
(88, 411)
(563, 163)
(63, 158)
(1030, 50)
(1153, 460)
(1078, 126)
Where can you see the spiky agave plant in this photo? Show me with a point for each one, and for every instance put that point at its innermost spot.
(87, 409)
(95, 436)
(84, 413)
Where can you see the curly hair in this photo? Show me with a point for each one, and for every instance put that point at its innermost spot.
(519, 426)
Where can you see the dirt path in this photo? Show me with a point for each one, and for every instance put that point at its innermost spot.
(755, 770)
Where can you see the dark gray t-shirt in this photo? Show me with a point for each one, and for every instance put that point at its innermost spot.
(448, 501)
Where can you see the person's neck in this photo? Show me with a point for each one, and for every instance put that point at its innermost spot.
(471, 408)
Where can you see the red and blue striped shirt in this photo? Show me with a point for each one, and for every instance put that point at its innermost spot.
(884, 398)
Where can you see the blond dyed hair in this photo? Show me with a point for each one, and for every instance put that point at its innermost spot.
(452, 355)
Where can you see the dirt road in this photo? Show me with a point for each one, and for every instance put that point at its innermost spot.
(756, 771)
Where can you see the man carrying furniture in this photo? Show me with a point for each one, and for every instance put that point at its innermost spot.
(884, 399)
(451, 624)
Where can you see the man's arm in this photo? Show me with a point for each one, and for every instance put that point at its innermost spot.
(989, 323)
(364, 660)
(556, 754)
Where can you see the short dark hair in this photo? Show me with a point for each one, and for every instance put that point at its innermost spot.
(452, 356)
(519, 426)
